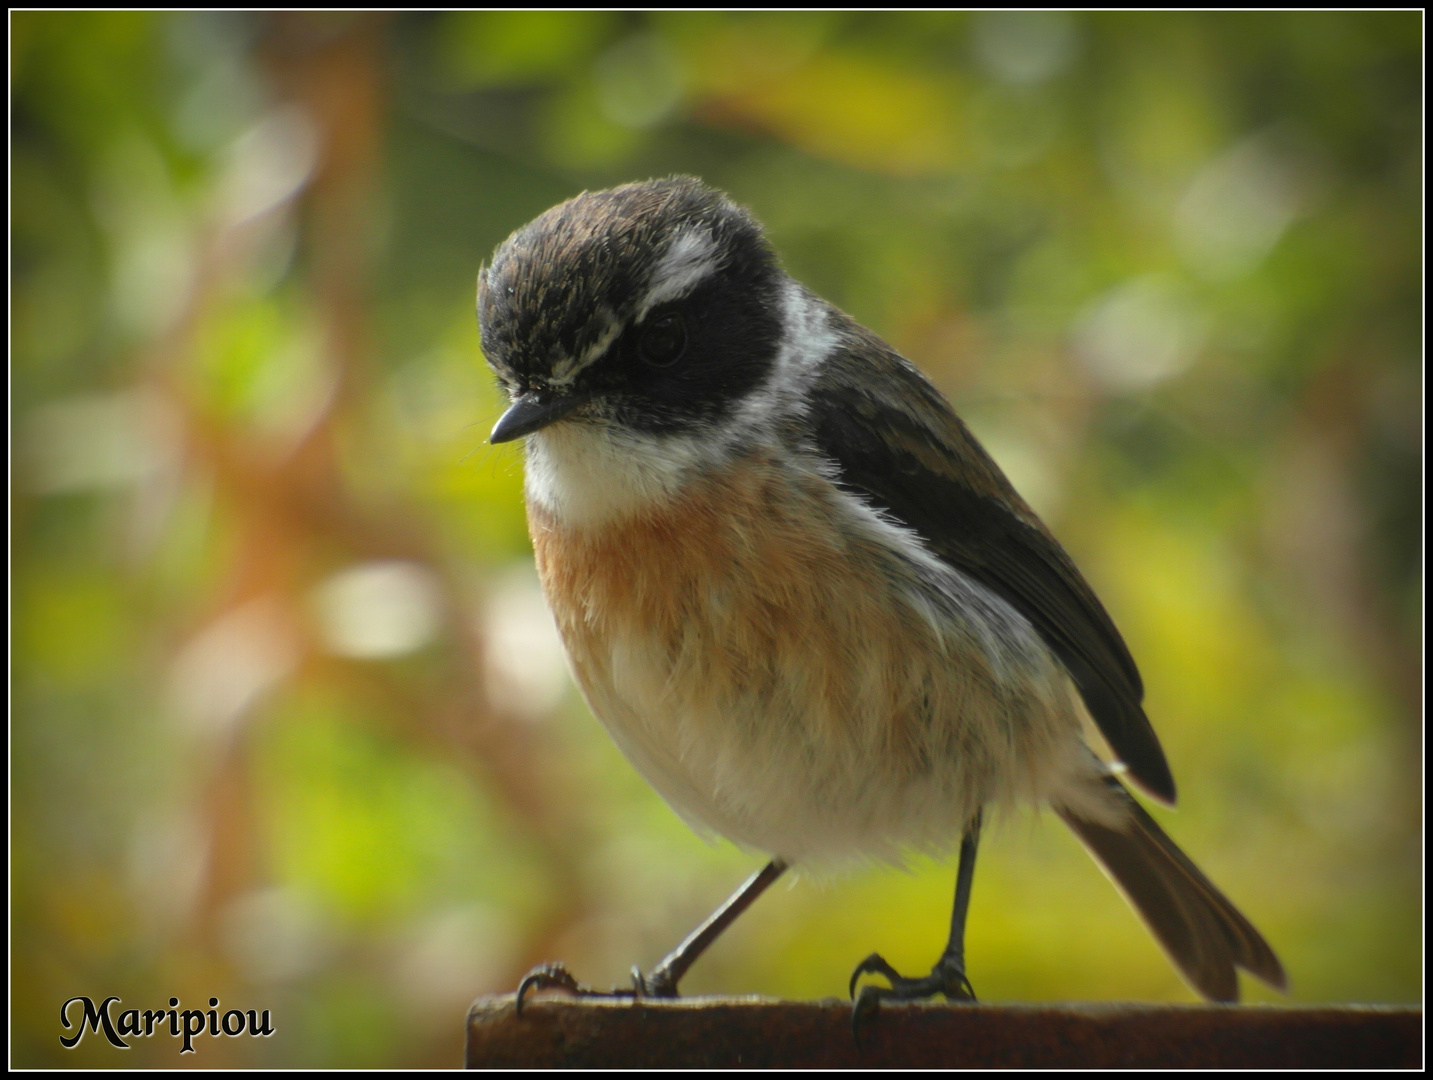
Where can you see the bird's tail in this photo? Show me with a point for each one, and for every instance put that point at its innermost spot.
(1203, 933)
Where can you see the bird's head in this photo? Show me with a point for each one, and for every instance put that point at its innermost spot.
(654, 307)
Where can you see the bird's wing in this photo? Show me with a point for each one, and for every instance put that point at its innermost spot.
(909, 455)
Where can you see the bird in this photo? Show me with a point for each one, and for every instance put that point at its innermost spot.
(805, 602)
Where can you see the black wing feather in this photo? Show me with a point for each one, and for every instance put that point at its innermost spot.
(913, 458)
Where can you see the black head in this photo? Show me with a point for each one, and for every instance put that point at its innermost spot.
(654, 305)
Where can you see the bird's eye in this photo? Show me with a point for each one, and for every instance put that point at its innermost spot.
(663, 341)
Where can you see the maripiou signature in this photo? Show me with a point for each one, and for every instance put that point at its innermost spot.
(183, 1024)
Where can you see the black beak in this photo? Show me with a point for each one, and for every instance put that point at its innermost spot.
(533, 411)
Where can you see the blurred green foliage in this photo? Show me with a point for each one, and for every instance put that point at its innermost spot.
(288, 728)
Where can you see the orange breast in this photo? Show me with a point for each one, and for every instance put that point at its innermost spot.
(771, 669)
(744, 584)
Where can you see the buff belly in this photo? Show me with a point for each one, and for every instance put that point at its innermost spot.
(787, 671)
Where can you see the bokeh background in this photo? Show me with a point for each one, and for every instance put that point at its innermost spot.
(290, 726)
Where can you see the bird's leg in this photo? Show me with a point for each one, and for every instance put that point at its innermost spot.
(948, 975)
(662, 981)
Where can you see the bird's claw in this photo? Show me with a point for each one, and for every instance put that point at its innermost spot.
(947, 977)
(875, 964)
(557, 977)
(659, 984)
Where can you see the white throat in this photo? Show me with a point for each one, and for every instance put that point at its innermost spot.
(587, 475)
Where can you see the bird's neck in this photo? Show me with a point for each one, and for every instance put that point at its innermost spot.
(587, 476)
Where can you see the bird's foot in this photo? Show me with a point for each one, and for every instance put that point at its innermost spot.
(556, 977)
(947, 977)
(659, 984)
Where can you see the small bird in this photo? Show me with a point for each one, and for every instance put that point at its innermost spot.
(805, 602)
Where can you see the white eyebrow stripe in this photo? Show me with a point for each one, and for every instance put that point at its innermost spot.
(691, 258)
